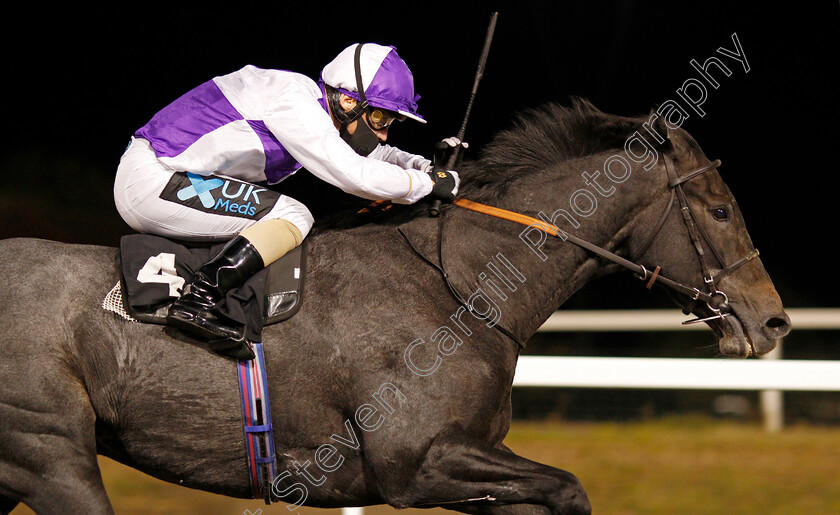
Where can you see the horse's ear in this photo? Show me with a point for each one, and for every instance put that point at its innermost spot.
(661, 126)
(675, 142)
(660, 134)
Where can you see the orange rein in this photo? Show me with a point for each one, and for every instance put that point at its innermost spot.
(506, 215)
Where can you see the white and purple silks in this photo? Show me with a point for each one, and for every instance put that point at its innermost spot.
(261, 126)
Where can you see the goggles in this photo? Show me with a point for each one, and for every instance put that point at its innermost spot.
(380, 119)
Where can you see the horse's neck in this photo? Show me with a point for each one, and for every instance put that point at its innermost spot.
(549, 272)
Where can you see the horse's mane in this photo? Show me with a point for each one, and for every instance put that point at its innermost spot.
(538, 138)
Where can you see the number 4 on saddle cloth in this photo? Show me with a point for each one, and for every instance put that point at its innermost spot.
(154, 268)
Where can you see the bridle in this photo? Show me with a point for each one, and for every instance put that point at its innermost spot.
(716, 300)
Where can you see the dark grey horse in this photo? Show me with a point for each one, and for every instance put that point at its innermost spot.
(384, 389)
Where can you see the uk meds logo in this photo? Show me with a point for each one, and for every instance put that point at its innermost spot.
(201, 188)
(218, 195)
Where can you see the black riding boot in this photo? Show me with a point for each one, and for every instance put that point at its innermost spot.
(195, 311)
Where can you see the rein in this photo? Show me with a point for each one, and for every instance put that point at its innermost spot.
(716, 300)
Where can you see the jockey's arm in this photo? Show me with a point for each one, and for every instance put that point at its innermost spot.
(307, 132)
(401, 158)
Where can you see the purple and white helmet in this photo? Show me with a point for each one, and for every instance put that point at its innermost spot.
(386, 79)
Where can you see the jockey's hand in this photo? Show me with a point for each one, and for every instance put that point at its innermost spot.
(444, 150)
(446, 184)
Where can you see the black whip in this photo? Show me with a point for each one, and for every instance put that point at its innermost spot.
(434, 210)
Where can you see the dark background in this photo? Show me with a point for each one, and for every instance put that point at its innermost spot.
(78, 83)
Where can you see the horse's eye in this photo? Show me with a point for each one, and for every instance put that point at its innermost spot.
(720, 213)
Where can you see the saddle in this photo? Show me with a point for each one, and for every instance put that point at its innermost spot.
(153, 269)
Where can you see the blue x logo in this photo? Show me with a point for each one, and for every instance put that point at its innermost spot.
(202, 188)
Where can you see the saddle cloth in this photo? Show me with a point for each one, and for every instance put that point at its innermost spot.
(153, 270)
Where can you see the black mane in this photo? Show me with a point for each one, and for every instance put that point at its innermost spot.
(544, 136)
(538, 138)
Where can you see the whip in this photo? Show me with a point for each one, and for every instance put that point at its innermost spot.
(434, 210)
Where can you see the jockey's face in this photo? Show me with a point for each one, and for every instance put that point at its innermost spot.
(348, 103)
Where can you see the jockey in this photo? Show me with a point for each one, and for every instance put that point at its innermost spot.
(201, 168)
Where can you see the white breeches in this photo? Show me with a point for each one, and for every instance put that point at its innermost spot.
(210, 208)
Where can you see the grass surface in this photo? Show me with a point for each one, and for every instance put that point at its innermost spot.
(675, 466)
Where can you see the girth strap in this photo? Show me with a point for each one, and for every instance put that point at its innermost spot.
(259, 434)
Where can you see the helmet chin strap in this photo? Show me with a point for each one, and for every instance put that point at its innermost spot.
(363, 140)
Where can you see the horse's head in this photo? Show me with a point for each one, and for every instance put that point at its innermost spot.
(675, 219)
(700, 241)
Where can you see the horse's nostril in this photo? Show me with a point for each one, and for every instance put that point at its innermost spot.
(776, 322)
(778, 326)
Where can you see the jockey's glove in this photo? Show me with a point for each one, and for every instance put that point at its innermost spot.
(445, 149)
(448, 155)
(446, 184)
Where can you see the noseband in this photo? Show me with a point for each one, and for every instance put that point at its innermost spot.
(716, 300)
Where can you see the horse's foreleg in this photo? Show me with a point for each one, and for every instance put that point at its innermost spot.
(509, 509)
(47, 442)
(49, 470)
(461, 473)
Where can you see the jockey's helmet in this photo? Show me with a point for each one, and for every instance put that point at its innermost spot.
(383, 77)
